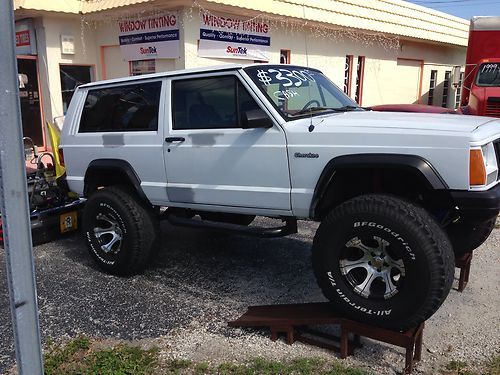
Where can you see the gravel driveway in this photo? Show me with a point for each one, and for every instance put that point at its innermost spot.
(201, 279)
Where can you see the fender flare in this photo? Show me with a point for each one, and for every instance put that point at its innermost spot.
(414, 163)
(115, 165)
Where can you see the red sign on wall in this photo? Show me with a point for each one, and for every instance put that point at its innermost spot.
(25, 37)
(22, 38)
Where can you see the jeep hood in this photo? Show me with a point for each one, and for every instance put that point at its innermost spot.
(401, 120)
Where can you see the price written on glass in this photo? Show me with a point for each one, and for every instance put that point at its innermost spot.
(285, 94)
(490, 68)
(285, 77)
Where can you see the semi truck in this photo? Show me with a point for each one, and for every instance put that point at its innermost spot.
(481, 83)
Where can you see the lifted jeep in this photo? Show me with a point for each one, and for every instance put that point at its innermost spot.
(397, 194)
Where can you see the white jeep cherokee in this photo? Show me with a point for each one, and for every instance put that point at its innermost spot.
(397, 194)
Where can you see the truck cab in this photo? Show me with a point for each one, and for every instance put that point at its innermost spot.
(484, 96)
(481, 86)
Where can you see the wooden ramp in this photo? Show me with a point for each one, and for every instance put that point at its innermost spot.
(295, 320)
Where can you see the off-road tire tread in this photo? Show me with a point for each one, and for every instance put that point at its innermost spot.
(146, 229)
(438, 249)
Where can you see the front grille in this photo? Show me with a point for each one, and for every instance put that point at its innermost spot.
(493, 107)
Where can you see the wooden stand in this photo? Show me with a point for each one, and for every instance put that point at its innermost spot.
(464, 264)
(293, 321)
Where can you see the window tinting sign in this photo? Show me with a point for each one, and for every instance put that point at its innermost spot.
(233, 38)
(150, 37)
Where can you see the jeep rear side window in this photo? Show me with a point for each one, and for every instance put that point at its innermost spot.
(210, 103)
(122, 108)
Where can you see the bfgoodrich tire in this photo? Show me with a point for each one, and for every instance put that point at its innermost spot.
(468, 235)
(383, 261)
(120, 230)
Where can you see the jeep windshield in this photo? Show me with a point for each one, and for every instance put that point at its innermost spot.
(489, 75)
(297, 91)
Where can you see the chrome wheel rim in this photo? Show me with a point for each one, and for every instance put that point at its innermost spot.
(108, 234)
(372, 268)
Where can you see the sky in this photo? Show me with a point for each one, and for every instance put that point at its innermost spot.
(463, 8)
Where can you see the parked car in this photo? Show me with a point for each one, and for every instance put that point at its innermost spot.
(418, 108)
(397, 194)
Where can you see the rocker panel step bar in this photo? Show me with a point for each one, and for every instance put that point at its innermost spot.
(290, 227)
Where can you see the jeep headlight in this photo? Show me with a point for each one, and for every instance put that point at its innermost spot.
(483, 168)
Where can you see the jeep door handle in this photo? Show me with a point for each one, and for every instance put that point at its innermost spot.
(174, 139)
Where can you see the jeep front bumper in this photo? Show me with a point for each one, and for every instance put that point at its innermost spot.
(478, 205)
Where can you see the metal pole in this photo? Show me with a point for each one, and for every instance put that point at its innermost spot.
(14, 207)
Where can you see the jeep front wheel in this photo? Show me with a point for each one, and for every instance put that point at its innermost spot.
(121, 231)
(383, 261)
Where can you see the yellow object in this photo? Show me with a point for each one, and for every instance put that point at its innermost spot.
(55, 139)
(68, 222)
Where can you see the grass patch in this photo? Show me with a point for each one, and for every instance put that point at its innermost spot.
(492, 367)
(261, 366)
(58, 357)
(79, 357)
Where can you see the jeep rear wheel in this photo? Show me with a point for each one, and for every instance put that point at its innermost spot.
(468, 235)
(120, 230)
(383, 261)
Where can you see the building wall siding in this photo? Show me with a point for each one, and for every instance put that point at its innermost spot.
(97, 44)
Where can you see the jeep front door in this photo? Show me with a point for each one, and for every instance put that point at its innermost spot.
(211, 159)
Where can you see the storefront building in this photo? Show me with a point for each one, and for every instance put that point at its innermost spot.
(379, 51)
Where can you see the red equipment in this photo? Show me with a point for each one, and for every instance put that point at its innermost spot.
(418, 108)
(481, 85)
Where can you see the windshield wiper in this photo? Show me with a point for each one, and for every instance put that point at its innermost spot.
(345, 108)
(314, 109)
(348, 108)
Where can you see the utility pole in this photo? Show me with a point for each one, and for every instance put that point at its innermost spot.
(14, 207)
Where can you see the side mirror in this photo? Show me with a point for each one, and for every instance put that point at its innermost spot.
(256, 118)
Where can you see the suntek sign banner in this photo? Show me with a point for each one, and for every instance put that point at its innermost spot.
(155, 37)
(233, 38)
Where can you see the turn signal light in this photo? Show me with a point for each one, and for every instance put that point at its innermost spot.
(477, 170)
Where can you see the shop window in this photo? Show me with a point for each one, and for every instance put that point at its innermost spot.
(349, 60)
(73, 76)
(210, 103)
(360, 74)
(122, 108)
(140, 67)
(446, 88)
(458, 95)
(432, 87)
(285, 55)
